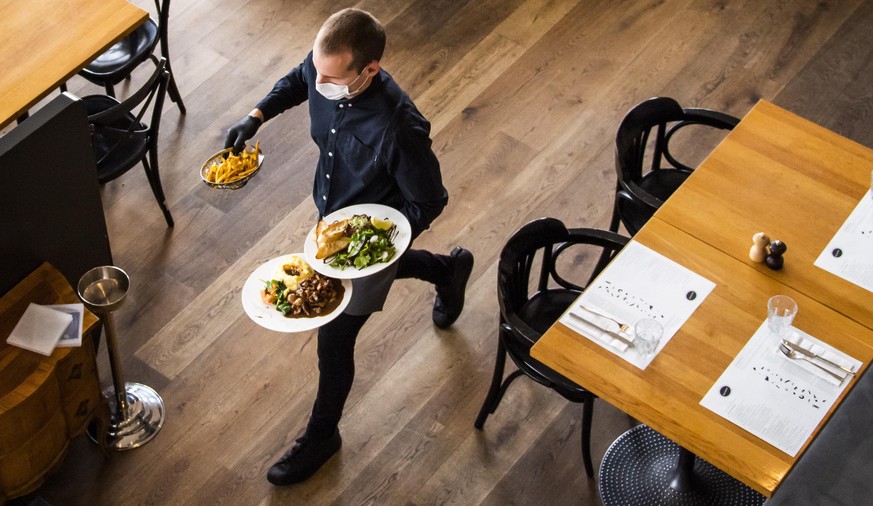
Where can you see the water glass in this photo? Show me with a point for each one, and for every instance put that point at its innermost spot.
(781, 310)
(647, 336)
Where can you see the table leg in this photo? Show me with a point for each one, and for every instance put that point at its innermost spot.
(683, 476)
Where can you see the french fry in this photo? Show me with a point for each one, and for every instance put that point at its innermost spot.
(234, 167)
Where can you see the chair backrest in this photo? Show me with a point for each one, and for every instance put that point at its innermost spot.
(112, 121)
(647, 130)
(666, 117)
(547, 239)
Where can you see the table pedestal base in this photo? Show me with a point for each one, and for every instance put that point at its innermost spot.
(643, 467)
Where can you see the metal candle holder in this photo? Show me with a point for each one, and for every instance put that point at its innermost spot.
(136, 410)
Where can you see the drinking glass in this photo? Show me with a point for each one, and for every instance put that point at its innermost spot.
(781, 310)
(647, 336)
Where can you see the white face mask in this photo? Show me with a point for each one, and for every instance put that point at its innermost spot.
(333, 91)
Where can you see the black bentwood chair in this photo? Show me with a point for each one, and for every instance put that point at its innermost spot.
(117, 63)
(121, 140)
(638, 194)
(526, 311)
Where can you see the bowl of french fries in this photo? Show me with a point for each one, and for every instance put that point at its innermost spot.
(228, 171)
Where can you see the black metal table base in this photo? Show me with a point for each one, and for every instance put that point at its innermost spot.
(643, 467)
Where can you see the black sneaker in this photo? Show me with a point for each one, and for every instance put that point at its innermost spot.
(303, 459)
(449, 300)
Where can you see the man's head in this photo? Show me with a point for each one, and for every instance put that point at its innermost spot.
(352, 30)
(348, 49)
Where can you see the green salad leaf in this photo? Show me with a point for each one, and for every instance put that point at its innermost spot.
(368, 245)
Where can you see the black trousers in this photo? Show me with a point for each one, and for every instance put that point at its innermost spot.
(336, 345)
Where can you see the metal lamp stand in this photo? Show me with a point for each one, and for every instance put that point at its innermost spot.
(136, 410)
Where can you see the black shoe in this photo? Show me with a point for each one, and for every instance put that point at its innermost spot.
(449, 300)
(303, 459)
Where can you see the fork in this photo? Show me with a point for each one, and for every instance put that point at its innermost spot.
(802, 351)
(622, 327)
(794, 355)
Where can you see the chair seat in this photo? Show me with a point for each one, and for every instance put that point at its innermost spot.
(540, 312)
(120, 59)
(660, 184)
(663, 183)
(544, 308)
(123, 156)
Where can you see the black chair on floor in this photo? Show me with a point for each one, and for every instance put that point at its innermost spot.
(638, 194)
(526, 311)
(117, 63)
(120, 138)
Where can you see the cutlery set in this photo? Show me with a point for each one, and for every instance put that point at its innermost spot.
(797, 352)
(624, 333)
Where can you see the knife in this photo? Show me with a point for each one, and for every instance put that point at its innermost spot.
(809, 354)
(626, 340)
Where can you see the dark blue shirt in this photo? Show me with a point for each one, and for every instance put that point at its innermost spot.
(374, 148)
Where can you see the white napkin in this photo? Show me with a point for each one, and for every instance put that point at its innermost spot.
(823, 352)
(594, 325)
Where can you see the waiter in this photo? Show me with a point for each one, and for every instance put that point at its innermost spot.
(374, 148)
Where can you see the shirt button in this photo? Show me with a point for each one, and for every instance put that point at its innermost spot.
(330, 153)
(327, 175)
(324, 197)
(333, 130)
(341, 106)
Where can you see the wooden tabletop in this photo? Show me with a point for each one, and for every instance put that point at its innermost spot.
(790, 178)
(715, 244)
(45, 42)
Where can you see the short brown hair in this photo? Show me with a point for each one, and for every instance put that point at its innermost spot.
(356, 31)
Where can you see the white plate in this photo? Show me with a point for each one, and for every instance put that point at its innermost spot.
(401, 242)
(268, 317)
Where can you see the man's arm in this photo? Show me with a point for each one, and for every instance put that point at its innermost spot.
(289, 91)
(417, 171)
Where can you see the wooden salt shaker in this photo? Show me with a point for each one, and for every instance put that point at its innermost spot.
(758, 251)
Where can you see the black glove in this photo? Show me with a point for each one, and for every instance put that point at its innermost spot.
(240, 132)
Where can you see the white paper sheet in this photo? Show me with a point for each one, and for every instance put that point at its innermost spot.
(773, 397)
(849, 254)
(640, 283)
(39, 329)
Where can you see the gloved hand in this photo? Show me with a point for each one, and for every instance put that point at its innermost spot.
(240, 132)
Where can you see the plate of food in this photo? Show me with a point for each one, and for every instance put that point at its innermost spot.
(357, 241)
(286, 295)
(227, 171)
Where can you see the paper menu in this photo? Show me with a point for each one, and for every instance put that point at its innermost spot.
(772, 396)
(641, 283)
(39, 329)
(73, 335)
(849, 254)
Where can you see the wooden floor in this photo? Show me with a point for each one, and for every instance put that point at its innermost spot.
(524, 97)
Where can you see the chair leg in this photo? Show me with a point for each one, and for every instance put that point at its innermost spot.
(587, 415)
(110, 90)
(173, 91)
(154, 178)
(492, 399)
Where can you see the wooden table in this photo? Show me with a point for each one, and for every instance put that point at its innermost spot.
(45, 42)
(707, 226)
